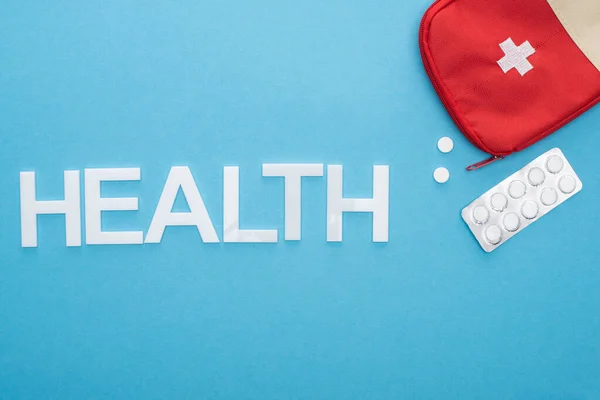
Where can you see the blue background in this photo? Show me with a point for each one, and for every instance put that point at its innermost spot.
(211, 83)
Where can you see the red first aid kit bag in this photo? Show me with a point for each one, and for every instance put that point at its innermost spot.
(511, 72)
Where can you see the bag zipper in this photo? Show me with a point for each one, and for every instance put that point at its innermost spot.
(438, 90)
(484, 163)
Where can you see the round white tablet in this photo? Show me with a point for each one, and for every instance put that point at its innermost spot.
(481, 215)
(517, 189)
(554, 164)
(445, 144)
(549, 197)
(441, 175)
(530, 209)
(511, 222)
(536, 176)
(499, 202)
(493, 235)
(567, 184)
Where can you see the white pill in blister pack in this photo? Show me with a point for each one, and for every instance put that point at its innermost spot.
(521, 199)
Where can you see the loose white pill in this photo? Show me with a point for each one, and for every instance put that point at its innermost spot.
(517, 189)
(530, 209)
(554, 164)
(481, 215)
(511, 222)
(549, 197)
(499, 202)
(441, 175)
(445, 144)
(493, 234)
(567, 184)
(536, 176)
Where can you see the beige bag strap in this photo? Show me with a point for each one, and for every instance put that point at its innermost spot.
(581, 19)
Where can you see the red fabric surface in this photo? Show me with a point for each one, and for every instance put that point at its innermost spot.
(503, 113)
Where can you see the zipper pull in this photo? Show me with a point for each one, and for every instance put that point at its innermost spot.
(483, 163)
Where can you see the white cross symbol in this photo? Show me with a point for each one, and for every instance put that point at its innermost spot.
(516, 57)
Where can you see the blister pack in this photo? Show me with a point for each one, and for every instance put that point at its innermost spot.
(521, 199)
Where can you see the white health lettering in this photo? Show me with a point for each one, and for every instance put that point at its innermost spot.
(293, 174)
(231, 213)
(180, 178)
(95, 204)
(31, 208)
(378, 205)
